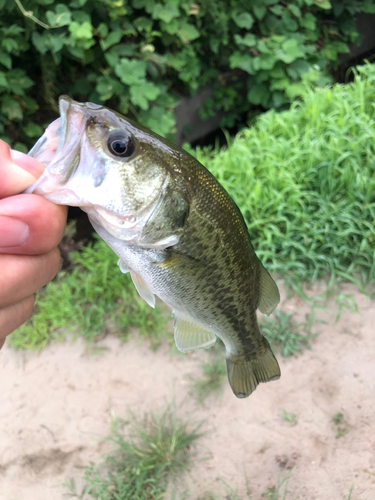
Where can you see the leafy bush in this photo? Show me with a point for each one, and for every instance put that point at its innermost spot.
(139, 56)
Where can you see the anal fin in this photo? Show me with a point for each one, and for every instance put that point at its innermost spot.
(269, 293)
(143, 289)
(244, 373)
(190, 336)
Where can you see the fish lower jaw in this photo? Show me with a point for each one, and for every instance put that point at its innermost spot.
(126, 228)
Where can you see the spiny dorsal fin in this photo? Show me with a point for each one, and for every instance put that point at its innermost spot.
(190, 336)
(269, 293)
(244, 374)
(143, 289)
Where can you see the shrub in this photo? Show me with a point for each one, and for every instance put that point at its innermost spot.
(139, 56)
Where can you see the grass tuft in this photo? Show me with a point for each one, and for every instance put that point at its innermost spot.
(154, 450)
(214, 374)
(283, 333)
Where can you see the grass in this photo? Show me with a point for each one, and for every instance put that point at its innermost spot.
(214, 374)
(282, 331)
(155, 450)
(338, 420)
(93, 299)
(304, 180)
(290, 417)
(274, 492)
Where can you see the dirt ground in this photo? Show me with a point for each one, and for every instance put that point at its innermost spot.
(55, 405)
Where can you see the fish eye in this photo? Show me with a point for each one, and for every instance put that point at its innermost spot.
(120, 144)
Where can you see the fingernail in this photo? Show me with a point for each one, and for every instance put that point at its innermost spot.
(13, 232)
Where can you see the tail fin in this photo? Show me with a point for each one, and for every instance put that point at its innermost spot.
(244, 373)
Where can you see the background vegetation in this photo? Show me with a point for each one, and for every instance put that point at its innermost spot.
(304, 180)
(141, 56)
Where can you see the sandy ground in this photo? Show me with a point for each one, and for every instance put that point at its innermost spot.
(55, 405)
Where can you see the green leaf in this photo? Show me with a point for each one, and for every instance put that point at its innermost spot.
(242, 61)
(297, 68)
(81, 31)
(296, 11)
(249, 40)
(308, 22)
(289, 52)
(140, 95)
(131, 72)
(259, 94)
(10, 44)
(113, 38)
(187, 32)
(243, 20)
(33, 130)
(259, 11)
(12, 110)
(165, 13)
(323, 4)
(61, 17)
(267, 61)
(6, 60)
(40, 42)
(3, 80)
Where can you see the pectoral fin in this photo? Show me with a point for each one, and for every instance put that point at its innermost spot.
(269, 293)
(123, 267)
(190, 336)
(143, 289)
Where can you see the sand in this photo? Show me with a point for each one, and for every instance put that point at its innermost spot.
(55, 406)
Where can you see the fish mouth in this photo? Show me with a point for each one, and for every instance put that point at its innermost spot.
(59, 147)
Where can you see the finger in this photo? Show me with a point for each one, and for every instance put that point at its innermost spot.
(14, 316)
(23, 275)
(16, 177)
(42, 229)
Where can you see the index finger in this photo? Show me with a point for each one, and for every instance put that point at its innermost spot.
(18, 171)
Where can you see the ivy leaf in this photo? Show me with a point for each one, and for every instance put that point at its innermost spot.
(259, 11)
(131, 72)
(249, 40)
(11, 109)
(289, 52)
(81, 31)
(187, 33)
(3, 80)
(40, 42)
(10, 44)
(165, 12)
(33, 130)
(243, 20)
(113, 38)
(61, 17)
(6, 60)
(259, 94)
(323, 4)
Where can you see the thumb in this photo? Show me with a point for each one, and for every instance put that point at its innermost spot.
(18, 171)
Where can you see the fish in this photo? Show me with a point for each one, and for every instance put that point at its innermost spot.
(173, 226)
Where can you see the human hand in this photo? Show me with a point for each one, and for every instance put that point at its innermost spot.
(31, 227)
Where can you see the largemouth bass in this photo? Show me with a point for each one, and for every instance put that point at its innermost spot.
(173, 226)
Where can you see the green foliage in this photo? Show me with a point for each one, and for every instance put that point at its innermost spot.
(156, 449)
(304, 181)
(283, 333)
(93, 299)
(137, 56)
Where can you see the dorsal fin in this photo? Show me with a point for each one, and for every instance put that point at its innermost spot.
(269, 295)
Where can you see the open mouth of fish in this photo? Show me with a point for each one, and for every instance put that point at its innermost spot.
(59, 149)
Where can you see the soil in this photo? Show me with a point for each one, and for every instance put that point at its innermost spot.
(55, 406)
